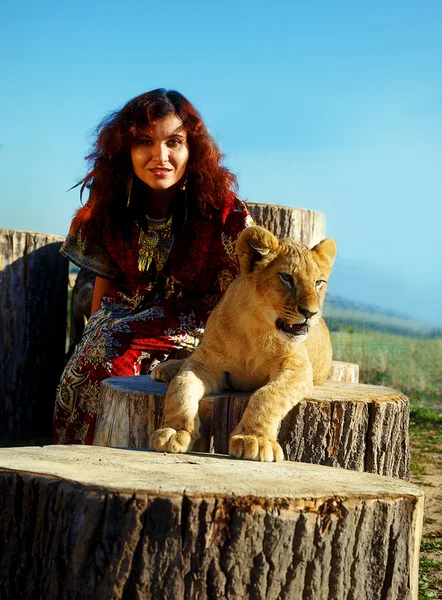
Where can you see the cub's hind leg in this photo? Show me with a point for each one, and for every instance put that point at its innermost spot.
(181, 420)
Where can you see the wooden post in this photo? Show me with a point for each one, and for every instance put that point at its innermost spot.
(33, 302)
(100, 523)
(344, 371)
(306, 226)
(354, 426)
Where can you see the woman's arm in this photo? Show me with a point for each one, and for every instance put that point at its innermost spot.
(100, 288)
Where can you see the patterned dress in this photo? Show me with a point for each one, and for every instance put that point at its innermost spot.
(144, 315)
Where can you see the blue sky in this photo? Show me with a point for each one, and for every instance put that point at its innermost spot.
(329, 106)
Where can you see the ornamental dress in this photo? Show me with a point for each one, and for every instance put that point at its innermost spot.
(145, 314)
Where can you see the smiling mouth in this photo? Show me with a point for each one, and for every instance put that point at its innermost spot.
(160, 171)
(292, 330)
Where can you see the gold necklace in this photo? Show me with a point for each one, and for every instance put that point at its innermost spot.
(155, 244)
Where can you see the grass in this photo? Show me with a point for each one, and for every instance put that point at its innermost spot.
(414, 366)
(429, 588)
(426, 443)
(431, 543)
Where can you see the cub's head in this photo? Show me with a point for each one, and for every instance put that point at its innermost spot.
(288, 281)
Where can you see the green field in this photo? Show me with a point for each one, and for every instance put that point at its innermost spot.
(413, 365)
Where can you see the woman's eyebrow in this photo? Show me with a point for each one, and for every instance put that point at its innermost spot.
(178, 132)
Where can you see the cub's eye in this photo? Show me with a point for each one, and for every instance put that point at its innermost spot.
(286, 278)
(319, 284)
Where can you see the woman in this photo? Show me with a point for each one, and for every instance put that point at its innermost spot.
(158, 231)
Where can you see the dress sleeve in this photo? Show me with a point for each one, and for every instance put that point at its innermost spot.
(91, 255)
(236, 220)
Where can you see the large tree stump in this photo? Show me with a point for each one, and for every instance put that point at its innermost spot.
(33, 303)
(354, 426)
(98, 523)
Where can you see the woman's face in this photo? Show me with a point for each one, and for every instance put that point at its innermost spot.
(160, 156)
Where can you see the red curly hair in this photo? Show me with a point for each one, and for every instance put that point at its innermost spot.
(209, 183)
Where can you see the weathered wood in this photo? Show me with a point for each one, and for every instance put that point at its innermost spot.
(100, 523)
(344, 371)
(306, 226)
(354, 426)
(33, 303)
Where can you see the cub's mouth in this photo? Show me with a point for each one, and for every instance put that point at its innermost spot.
(292, 330)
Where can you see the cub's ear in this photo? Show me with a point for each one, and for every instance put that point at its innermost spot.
(255, 246)
(324, 254)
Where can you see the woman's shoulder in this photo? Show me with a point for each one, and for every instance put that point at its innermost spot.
(232, 211)
(233, 205)
(232, 216)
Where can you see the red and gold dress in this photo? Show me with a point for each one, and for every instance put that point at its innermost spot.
(146, 313)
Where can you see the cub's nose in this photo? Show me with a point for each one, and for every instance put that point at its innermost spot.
(308, 314)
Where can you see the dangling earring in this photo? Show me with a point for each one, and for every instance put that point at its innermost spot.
(184, 185)
(130, 182)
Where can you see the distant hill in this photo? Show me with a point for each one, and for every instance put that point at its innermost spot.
(375, 286)
(341, 313)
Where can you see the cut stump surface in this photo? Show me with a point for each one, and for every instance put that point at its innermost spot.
(88, 522)
(354, 426)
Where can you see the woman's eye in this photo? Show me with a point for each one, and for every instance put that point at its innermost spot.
(286, 278)
(319, 284)
(145, 142)
(173, 143)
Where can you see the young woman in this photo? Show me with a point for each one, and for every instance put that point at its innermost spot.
(159, 232)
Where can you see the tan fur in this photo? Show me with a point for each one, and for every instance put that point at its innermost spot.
(244, 348)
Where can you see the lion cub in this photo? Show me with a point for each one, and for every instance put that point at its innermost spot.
(266, 336)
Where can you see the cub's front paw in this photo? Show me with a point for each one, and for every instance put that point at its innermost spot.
(252, 447)
(170, 440)
(166, 371)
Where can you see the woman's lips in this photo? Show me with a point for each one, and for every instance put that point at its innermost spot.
(160, 172)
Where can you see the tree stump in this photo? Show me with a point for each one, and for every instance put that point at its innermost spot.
(354, 426)
(344, 371)
(306, 226)
(33, 303)
(100, 523)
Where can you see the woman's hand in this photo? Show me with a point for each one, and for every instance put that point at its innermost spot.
(100, 288)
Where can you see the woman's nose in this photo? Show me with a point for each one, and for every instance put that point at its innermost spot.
(161, 153)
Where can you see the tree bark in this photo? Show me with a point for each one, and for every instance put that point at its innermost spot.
(33, 303)
(354, 426)
(97, 523)
(344, 371)
(306, 226)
